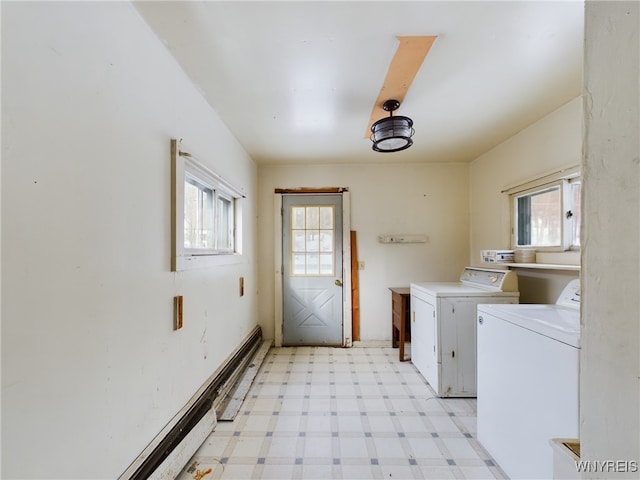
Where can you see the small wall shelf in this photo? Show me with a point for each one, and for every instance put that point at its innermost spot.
(399, 238)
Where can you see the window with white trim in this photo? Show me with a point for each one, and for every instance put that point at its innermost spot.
(546, 213)
(206, 220)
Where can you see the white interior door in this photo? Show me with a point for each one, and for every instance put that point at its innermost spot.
(312, 273)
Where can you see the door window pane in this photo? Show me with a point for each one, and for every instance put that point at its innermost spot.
(313, 264)
(313, 217)
(326, 240)
(326, 264)
(326, 217)
(297, 217)
(313, 244)
(297, 241)
(298, 263)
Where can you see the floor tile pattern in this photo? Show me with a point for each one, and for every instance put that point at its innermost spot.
(344, 413)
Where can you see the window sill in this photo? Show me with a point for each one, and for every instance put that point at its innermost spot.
(543, 266)
(190, 262)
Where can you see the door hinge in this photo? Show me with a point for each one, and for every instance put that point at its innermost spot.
(453, 354)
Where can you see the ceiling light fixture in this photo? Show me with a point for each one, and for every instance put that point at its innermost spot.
(392, 134)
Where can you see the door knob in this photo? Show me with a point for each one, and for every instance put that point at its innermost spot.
(338, 283)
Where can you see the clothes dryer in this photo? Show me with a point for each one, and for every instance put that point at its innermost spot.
(443, 326)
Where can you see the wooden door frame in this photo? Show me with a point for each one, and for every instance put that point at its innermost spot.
(346, 259)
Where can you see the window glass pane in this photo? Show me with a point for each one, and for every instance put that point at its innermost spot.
(326, 264)
(326, 240)
(539, 218)
(546, 218)
(312, 217)
(312, 241)
(198, 215)
(206, 198)
(326, 217)
(225, 221)
(297, 217)
(297, 241)
(577, 213)
(298, 263)
(190, 214)
(523, 217)
(313, 264)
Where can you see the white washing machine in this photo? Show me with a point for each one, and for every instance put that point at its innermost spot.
(528, 361)
(443, 326)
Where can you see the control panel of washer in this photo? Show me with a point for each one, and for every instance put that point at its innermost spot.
(500, 280)
(570, 296)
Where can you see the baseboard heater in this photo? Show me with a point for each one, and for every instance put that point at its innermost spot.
(169, 452)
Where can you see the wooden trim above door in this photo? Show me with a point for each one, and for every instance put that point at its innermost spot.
(312, 190)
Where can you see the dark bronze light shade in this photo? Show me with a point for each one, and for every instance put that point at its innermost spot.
(392, 134)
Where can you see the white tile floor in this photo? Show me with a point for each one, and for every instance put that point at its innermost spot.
(338, 413)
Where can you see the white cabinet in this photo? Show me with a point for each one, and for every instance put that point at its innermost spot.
(443, 338)
(423, 333)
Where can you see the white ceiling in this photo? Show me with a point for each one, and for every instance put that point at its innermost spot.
(295, 81)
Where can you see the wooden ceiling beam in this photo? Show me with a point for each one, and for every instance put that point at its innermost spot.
(411, 52)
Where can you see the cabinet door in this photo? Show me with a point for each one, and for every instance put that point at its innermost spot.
(458, 346)
(417, 333)
(423, 340)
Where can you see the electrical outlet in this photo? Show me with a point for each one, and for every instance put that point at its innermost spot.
(360, 265)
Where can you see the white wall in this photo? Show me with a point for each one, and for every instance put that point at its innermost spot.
(429, 199)
(553, 142)
(91, 367)
(610, 360)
